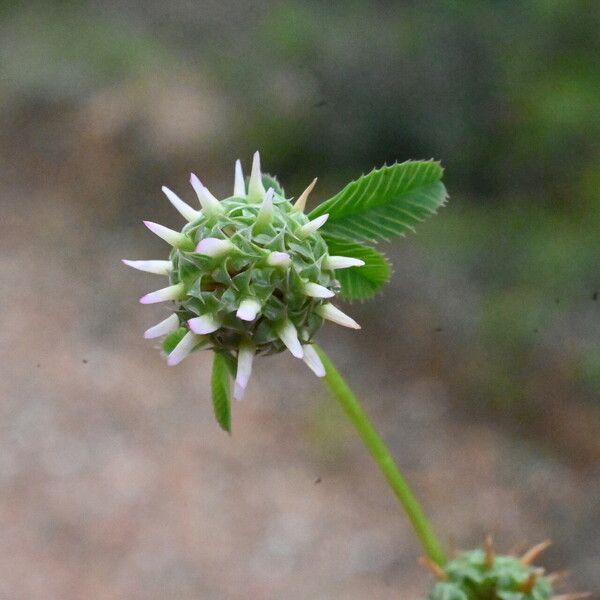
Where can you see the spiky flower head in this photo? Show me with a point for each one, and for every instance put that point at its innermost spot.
(253, 274)
(482, 574)
(250, 274)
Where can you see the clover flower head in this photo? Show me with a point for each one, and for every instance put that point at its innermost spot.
(248, 275)
(481, 573)
(253, 274)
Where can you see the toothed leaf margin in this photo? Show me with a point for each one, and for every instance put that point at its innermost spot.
(359, 283)
(386, 203)
(221, 391)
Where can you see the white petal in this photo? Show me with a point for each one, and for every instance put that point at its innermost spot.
(289, 336)
(256, 189)
(209, 203)
(211, 246)
(172, 292)
(185, 210)
(342, 262)
(248, 309)
(300, 204)
(165, 327)
(238, 392)
(317, 291)
(168, 235)
(239, 187)
(244, 370)
(312, 226)
(186, 345)
(159, 267)
(265, 214)
(204, 324)
(311, 358)
(331, 313)
(279, 259)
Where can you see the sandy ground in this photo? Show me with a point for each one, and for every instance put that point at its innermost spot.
(117, 484)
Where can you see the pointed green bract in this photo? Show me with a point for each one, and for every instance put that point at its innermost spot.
(386, 203)
(359, 283)
(169, 343)
(221, 391)
(272, 181)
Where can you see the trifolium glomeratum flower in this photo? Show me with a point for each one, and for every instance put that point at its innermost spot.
(248, 275)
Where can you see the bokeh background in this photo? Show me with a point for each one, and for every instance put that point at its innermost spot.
(480, 362)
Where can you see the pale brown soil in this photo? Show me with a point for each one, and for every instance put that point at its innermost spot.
(116, 482)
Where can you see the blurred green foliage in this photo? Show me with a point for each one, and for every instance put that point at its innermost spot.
(59, 49)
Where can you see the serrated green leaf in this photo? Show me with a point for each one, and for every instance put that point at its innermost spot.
(386, 203)
(359, 283)
(231, 362)
(221, 392)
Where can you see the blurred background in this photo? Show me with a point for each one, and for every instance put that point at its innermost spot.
(480, 363)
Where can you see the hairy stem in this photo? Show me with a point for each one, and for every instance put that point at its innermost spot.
(379, 451)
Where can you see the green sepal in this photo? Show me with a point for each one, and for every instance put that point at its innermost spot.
(386, 203)
(270, 181)
(173, 339)
(359, 283)
(221, 391)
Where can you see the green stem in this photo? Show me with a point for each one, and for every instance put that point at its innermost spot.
(379, 451)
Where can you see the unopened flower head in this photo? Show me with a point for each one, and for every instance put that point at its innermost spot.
(482, 573)
(249, 274)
